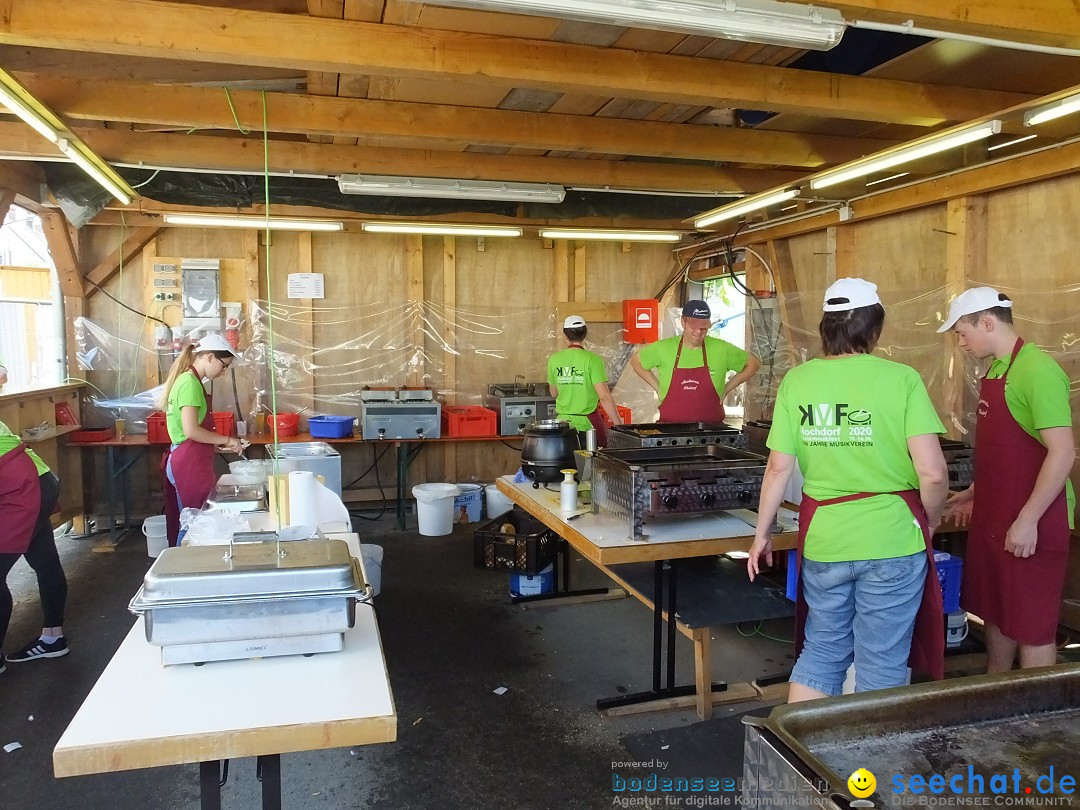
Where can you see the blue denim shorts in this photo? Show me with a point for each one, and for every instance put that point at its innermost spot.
(861, 612)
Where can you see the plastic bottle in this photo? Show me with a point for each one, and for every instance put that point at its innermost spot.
(568, 492)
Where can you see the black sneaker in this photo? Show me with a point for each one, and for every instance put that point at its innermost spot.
(40, 649)
(2, 667)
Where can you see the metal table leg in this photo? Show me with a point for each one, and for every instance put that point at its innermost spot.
(406, 455)
(566, 592)
(268, 771)
(209, 784)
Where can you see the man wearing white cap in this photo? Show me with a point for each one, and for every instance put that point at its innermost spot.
(1020, 506)
(579, 382)
(864, 433)
(691, 370)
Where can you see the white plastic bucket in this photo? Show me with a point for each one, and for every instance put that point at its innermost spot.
(435, 508)
(497, 503)
(157, 538)
(471, 500)
(372, 557)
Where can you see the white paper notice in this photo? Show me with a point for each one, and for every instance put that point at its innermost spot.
(305, 285)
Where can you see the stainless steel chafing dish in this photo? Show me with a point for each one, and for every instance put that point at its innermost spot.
(217, 603)
(239, 497)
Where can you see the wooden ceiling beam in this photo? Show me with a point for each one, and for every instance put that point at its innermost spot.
(246, 155)
(26, 180)
(1043, 22)
(208, 108)
(171, 31)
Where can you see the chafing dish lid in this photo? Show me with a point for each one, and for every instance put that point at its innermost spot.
(254, 570)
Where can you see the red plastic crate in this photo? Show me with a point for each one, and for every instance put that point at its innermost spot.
(157, 429)
(625, 413)
(468, 420)
(225, 423)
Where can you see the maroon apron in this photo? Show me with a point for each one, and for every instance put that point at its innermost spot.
(20, 500)
(928, 640)
(1022, 597)
(691, 396)
(193, 469)
(596, 418)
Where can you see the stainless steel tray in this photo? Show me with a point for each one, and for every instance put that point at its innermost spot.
(682, 458)
(241, 497)
(1027, 720)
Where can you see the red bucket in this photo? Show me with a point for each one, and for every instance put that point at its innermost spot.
(285, 424)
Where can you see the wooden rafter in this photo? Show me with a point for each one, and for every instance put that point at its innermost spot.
(63, 252)
(110, 265)
(168, 30)
(1047, 22)
(208, 108)
(246, 154)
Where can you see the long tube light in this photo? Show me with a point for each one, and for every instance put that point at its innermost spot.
(441, 188)
(888, 160)
(601, 235)
(440, 229)
(1048, 112)
(19, 101)
(733, 210)
(766, 21)
(258, 223)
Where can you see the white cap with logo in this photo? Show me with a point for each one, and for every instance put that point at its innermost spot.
(971, 301)
(573, 322)
(850, 293)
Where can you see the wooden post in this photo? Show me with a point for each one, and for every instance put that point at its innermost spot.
(839, 247)
(560, 260)
(965, 249)
(578, 290)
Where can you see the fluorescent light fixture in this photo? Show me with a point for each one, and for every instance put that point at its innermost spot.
(896, 176)
(83, 162)
(1013, 142)
(237, 221)
(929, 146)
(745, 206)
(1048, 112)
(385, 186)
(767, 21)
(610, 236)
(439, 229)
(15, 102)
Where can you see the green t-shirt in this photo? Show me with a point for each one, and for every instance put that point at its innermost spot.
(9, 441)
(1037, 396)
(847, 420)
(723, 358)
(575, 373)
(187, 390)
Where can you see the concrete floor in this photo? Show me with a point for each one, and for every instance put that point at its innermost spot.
(451, 637)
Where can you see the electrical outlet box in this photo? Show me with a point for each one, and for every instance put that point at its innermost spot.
(164, 282)
(164, 268)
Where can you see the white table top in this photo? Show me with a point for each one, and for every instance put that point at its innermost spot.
(605, 539)
(141, 714)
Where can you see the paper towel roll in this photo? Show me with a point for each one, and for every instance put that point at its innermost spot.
(302, 505)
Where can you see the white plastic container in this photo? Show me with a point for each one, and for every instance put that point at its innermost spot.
(435, 508)
(471, 500)
(497, 503)
(372, 557)
(157, 538)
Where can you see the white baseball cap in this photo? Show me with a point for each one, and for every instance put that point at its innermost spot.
(854, 292)
(214, 342)
(573, 322)
(971, 301)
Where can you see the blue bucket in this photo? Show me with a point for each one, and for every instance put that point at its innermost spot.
(525, 585)
(470, 501)
(949, 571)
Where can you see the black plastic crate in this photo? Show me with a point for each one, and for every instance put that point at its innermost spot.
(530, 549)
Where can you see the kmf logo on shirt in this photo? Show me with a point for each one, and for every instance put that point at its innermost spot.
(835, 425)
(826, 415)
(569, 374)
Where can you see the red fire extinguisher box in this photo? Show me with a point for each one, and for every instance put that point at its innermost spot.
(641, 320)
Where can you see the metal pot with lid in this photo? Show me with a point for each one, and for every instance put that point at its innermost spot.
(549, 447)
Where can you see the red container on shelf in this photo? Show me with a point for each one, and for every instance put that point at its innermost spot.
(87, 435)
(157, 429)
(225, 423)
(626, 414)
(284, 424)
(459, 421)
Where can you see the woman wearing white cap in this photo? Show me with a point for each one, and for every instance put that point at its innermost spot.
(1021, 511)
(865, 435)
(188, 465)
(579, 382)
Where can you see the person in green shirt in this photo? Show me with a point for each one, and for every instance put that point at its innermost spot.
(579, 382)
(689, 372)
(875, 486)
(28, 494)
(1020, 504)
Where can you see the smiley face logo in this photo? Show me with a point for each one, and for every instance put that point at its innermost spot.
(861, 783)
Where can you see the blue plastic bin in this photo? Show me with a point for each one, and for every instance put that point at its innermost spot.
(792, 576)
(949, 571)
(330, 427)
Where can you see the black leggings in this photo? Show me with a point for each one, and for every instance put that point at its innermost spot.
(44, 559)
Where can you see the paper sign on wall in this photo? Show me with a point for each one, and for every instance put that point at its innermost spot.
(305, 285)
